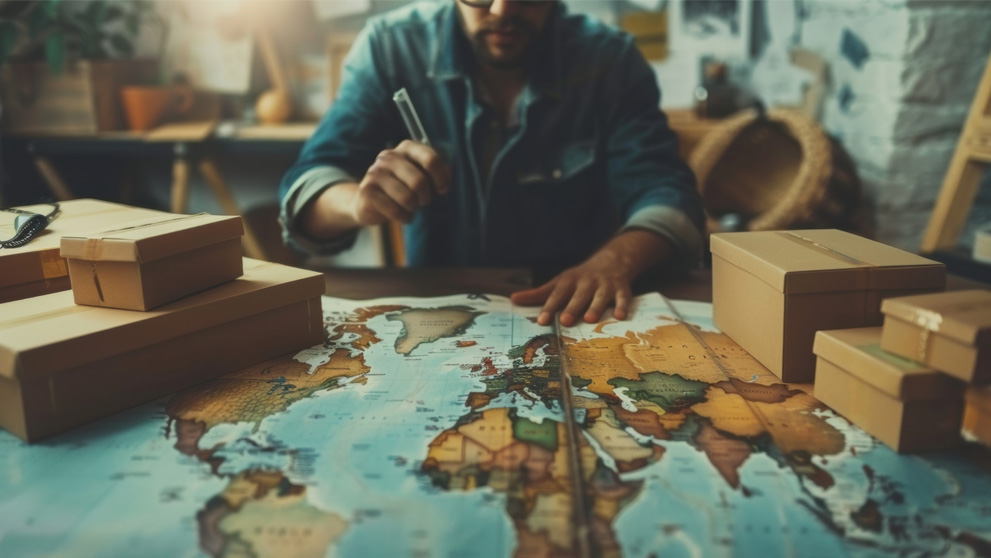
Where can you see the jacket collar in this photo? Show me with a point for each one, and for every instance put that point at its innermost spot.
(452, 57)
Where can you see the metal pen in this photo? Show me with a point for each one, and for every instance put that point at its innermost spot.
(410, 118)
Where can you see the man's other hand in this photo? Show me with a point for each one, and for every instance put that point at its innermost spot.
(399, 182)
(585, 291)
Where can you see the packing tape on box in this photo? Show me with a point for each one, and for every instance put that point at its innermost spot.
(154, 223)
(931, 320)
(832, 252)
(52, 264)
(94, 245)
(871, 303)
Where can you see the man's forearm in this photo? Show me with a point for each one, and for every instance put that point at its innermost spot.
(635, 251)
(330, 215)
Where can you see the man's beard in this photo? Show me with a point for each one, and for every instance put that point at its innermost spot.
(512, 24)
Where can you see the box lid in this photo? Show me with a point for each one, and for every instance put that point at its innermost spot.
(825, 260)
(39, 259)
(858, 351)
(961, 315)
(148, 240)
(47, 334)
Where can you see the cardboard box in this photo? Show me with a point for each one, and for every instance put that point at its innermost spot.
(772, 290)
(949, 331)
(904, 404)
(144, 264)
(36, 268)
(977, 414)
(62, 364)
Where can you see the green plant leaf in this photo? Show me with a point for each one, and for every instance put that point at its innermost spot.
(51, 8)
(132, 23)
(122, 44)
(114, 12)
(95, 12)
(8, 38)
(55, 52)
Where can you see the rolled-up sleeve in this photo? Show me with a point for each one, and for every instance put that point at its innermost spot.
(352, 132)
(651, 186)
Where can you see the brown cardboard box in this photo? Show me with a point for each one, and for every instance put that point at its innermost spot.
(144, 264)
(904, 404)
(62, 364)
(36, 268)
(949, 331)
(772, 290)
(977, 414)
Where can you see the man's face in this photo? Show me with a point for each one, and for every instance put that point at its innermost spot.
(503, 31)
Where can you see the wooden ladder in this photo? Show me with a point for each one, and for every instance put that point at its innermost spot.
(971, 159)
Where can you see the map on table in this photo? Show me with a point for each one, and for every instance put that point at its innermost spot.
(434, 427)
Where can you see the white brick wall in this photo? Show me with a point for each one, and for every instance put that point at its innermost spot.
(907, 100)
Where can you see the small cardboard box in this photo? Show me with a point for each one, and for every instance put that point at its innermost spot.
(36, 268)
(949, 331)
(62, 364)
(977, 414)
(904, 404)
(772, 290)
(144, 264)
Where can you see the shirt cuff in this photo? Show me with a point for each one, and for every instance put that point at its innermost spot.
(674, 225)
(303, 192)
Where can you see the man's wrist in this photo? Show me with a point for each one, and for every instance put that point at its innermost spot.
(331, 215)
(634, 251)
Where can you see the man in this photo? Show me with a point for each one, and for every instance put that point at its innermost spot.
(545, 139)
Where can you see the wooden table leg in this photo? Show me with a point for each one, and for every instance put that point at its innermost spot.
(217, 184)
(56, 184)
(180, 180)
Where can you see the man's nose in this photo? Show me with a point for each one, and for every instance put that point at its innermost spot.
(504, 8)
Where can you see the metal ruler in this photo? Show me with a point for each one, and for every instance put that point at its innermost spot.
(580, 510)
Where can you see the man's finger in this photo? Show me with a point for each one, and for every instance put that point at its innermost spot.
(622, 304)
(396, 189)
(603, 296)
(387, 206)
(579, 302)
(555, 301)
(409, 173)
(430, 162)
(534, 296)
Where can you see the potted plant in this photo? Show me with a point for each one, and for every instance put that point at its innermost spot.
(62, 64)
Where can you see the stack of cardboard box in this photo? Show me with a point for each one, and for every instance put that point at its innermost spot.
(801, 301)
(158, 304)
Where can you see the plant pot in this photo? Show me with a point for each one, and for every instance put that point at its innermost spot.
(148, 106)
(84, 99)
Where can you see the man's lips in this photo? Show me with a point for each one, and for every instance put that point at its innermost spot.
(505, 35)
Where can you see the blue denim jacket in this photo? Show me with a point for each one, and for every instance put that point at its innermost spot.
(592, 154)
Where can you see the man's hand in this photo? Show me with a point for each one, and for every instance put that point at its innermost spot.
(605, 278)
(399, 182)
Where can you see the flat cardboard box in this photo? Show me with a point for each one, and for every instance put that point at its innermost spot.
(62, 364)
(144, 264)
(949, 331)
(977, 414)
(908, 406)
(36, 268)
(772, 290)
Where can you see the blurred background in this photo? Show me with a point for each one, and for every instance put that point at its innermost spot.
(793, 113)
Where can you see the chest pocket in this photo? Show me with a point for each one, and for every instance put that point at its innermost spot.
(572, 160)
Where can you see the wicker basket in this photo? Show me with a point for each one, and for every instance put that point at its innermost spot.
(775, 171)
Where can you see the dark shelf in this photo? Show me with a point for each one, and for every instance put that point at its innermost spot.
(958, 261)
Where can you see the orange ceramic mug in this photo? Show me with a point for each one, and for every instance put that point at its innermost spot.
(148, 106)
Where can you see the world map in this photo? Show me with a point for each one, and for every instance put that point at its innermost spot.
(435, 427)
